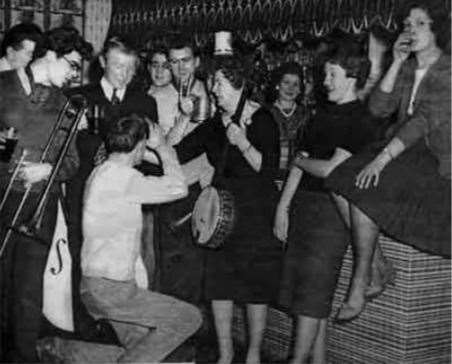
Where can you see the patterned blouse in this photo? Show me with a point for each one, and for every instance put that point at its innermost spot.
(291, 127)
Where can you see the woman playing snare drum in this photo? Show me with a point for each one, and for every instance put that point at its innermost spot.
(246, 269)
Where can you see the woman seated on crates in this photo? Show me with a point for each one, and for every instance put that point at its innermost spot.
(403, 186)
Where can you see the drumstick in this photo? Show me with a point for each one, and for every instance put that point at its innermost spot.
(183, 219)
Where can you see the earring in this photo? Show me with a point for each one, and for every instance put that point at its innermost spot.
(276, 87)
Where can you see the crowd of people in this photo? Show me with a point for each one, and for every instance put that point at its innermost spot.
(373, 157)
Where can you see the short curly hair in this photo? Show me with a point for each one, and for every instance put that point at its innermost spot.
(158, 49)
(64, 40)
(125, 133)
(288, 68)
(352, 58)
(233, 68)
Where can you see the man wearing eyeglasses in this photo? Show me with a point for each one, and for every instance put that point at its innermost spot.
(181, 262)
(193, 97)
(30, 102)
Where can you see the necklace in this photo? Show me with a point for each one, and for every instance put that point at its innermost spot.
(289, 112)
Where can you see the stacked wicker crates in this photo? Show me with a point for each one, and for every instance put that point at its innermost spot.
(409, 323)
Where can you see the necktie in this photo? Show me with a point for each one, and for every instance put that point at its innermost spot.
(114, 98)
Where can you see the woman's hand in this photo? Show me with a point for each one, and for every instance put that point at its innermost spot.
(281, 225)
(32, 172)
(402, 47)
(237, 136)
(371, 172)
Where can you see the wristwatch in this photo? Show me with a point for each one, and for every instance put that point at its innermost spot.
(302, 154)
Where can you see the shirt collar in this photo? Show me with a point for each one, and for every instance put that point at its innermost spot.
(107, 88)
(5, 65)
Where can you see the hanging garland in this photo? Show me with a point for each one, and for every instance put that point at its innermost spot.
(250, 18)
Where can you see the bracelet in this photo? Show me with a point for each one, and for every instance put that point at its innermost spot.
(247, 149)
(388, 152)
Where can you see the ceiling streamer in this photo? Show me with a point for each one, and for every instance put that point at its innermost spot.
(250, 17)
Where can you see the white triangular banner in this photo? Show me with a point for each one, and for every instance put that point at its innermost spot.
(57, 287)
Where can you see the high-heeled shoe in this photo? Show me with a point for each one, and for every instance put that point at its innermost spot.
(348, 313)
(387, 276)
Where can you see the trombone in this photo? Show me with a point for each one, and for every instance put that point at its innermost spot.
(74, 108)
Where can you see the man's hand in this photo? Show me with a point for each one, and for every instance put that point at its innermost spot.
(156, 136)
(32, 172)
(186, 105)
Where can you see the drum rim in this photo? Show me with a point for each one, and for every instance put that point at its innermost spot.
(227, 201)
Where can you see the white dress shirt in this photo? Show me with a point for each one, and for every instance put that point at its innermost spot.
(107, 88)
(5, 65)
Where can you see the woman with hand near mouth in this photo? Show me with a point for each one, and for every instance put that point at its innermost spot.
(312, 228)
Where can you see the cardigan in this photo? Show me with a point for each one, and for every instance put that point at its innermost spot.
(431, 115)
(33, 116)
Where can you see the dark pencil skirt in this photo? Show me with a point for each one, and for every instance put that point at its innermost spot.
(411, 202)
(316, 244)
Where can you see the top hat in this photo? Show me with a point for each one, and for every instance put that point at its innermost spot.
(223, 43)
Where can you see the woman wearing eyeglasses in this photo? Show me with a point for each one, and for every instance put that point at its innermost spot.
(404, 188)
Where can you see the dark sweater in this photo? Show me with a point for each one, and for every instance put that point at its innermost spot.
(347, 126)
(33, 117)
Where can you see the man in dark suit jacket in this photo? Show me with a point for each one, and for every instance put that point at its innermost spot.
(113, 95)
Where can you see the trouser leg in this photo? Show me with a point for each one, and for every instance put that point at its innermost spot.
(170, 320)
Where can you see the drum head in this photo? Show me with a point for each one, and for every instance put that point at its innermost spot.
(205, 215)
